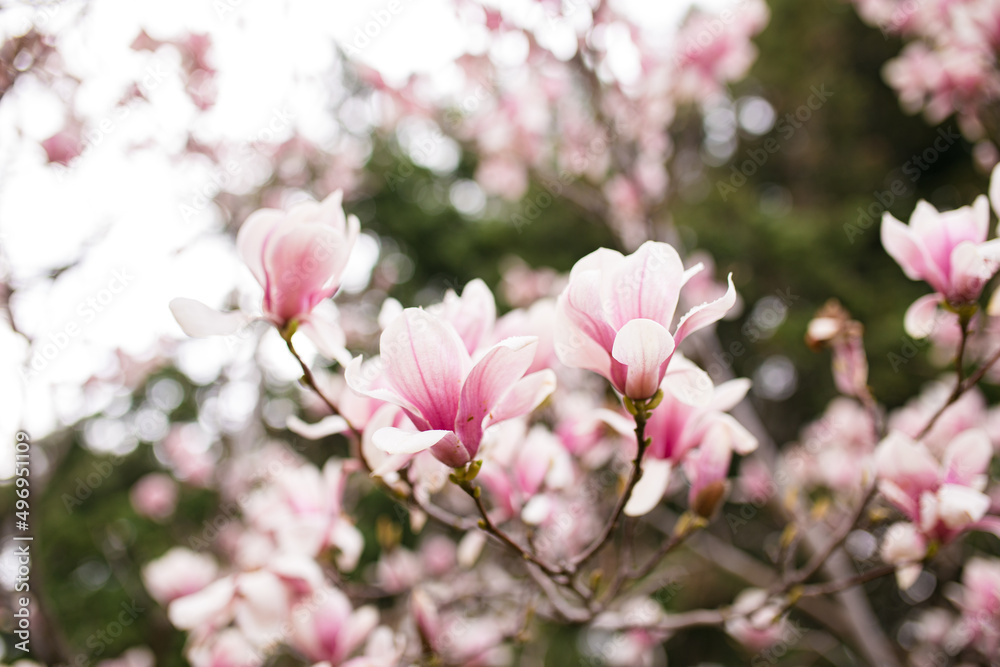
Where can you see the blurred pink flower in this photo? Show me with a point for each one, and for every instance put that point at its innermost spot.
(154, 496)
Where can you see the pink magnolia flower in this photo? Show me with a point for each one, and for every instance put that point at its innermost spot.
(298, 258)
(614, 316)
(426, 369)
(303, 511)
(259, 601)
(980, 604)
(941, 499)
(758, 622)
(947, 250)
(676, 430)
(327, 628)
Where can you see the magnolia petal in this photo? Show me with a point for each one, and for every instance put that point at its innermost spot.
(730, 394)
(967, 458)
(398, 441)
(469, 548)
(251, 238)
(645, 285)
(204, 607)
(198, 320)
(701, 316)
(364, 378)
(426, 363)
(526, 395)
(994, 191)
(898, 241)
(617, 421)
(737, 437)
(958, 506)
(650, 488)
(327, 426)
(490, 380)
(323, 328)
(690, 385)
(922, 316)
(574, 347)
(644, 348)
(536, 510)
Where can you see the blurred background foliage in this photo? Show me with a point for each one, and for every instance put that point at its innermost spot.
(781, 233)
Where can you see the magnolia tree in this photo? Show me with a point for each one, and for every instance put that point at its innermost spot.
(566, 462)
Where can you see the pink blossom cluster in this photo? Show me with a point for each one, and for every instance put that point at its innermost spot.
(949, 63)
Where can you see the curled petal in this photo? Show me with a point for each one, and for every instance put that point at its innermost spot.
(327, 426)
(922, 317)
(643, 347)
(958, 506)
(198, 320)
(690, 385)
(398, 441)
(706, 314)
(490, 381)
(650, 488)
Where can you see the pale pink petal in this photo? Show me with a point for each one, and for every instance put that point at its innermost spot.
(473, 314)
(967, 458)
(643, 347)
(575, 348)
(897, 239)
(994, 190)
(323, 328)
(526, 395)
(729, 394)
(327, 426)
(301, 264)
(922, 317)
(959, 506)
(489, 381)
(649, 490)
(425, 361)
(398, 441)
(198, 320)
(690, 385)
(356, 629)
(645, 285)
(365, 378)
(737, 437)
(706, 314)
(209, 606)
(906, 463)
(252, 236)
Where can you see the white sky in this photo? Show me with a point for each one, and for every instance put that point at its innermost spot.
(115, 212)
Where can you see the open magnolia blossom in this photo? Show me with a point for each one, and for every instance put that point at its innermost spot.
(615, 315)
(298, 257)
(677, 433)
(940, 499)
(425, 369)
(949, 251)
